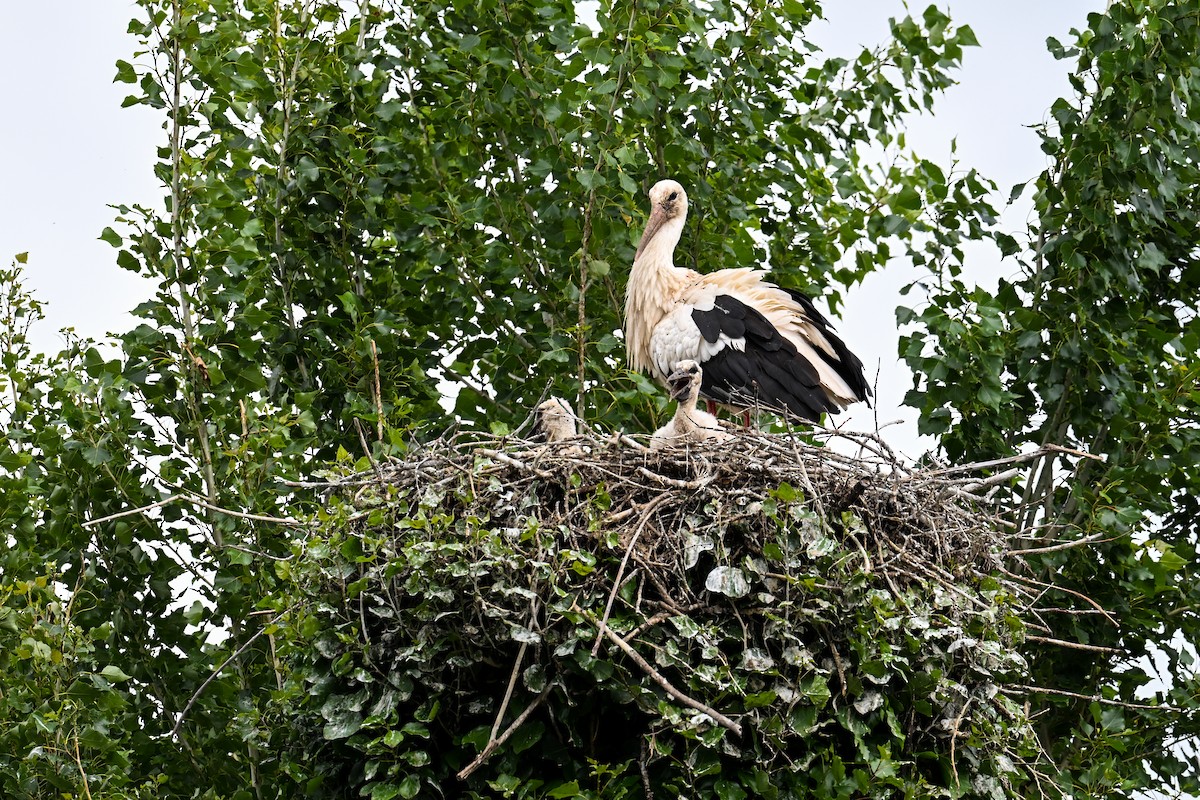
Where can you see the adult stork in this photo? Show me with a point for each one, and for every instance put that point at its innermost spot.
(690, 425)
(759, 345)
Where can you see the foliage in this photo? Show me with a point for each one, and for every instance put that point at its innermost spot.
(455, 183)
(61, 711)
(855, 640)
(76, 610)
(371, 208)
(1092, 346)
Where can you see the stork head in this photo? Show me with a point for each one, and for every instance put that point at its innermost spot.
(668, 201)
(554, 420)
(684, 382)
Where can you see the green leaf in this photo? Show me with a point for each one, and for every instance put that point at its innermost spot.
(114, 674)
(570, 789)
(410, 786)
(125, 73)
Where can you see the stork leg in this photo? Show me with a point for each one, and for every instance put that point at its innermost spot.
(746, 419)
(712, 406)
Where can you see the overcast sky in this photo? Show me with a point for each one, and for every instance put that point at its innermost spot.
(68, 150)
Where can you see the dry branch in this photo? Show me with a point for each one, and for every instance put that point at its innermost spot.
(657, 677)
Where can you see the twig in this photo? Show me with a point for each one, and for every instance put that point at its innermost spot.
(378, 394)
(1017, 459)
(512, 682)
(954, 737)
(657, 619)
(132, 511)
(295, 523)
(190, 498)
(246, 646)
(1102, 700)
(715, 715)
(1056, 547)
(466, 771)
(1071, 592)
(837, 658)
(87, 791)
(642, 759)
(992, 480)
(512, 462)
(675, 482)
(1094, 648)
(612, 596)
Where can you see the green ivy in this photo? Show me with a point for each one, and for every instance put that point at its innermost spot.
(407, 617)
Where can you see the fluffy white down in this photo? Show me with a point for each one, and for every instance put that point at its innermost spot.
(555, 420)
(690, 425)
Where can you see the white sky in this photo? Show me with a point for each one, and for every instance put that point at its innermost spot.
(67, 150)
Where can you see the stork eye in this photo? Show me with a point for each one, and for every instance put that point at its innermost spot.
(673, 195)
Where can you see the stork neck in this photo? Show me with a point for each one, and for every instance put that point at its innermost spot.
(654, 276)
(653, 284)
(683, 414)
(660, 250)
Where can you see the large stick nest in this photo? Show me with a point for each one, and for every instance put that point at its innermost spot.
(766, 613)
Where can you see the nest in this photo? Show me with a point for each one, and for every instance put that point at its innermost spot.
(766, 604)
(931, 524)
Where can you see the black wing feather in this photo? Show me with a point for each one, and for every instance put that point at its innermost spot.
(844, 363)
(769, 372)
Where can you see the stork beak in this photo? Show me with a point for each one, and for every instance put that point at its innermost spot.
(657, 218)
(680, 382)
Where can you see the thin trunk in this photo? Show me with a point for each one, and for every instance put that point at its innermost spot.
(185, 308)
(281, 174)
(581, 327)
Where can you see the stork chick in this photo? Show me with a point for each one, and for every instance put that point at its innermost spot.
(690, 425)
(554, 421)
(759, 344)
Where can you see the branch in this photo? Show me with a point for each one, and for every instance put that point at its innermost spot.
(612, 596)
(465, 772)
(378, 395)
(1102, 700)
(954, 738)
(1032, 581)
(1093, 648)
(91, 522)
(1017, 459)
(675, 482)
(253, 517)
(717, 716)
(183, 714)
(203, 504)
(1056, 547)
(505, 458)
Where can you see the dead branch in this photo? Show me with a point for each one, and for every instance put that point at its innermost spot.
(499, 741)
(657, 677)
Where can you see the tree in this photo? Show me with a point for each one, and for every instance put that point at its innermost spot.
(1092, 348)
(374, 207)
(365, 202)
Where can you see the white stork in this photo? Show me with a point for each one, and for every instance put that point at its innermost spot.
(554, 421)
(758, 344)
(690, 425)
